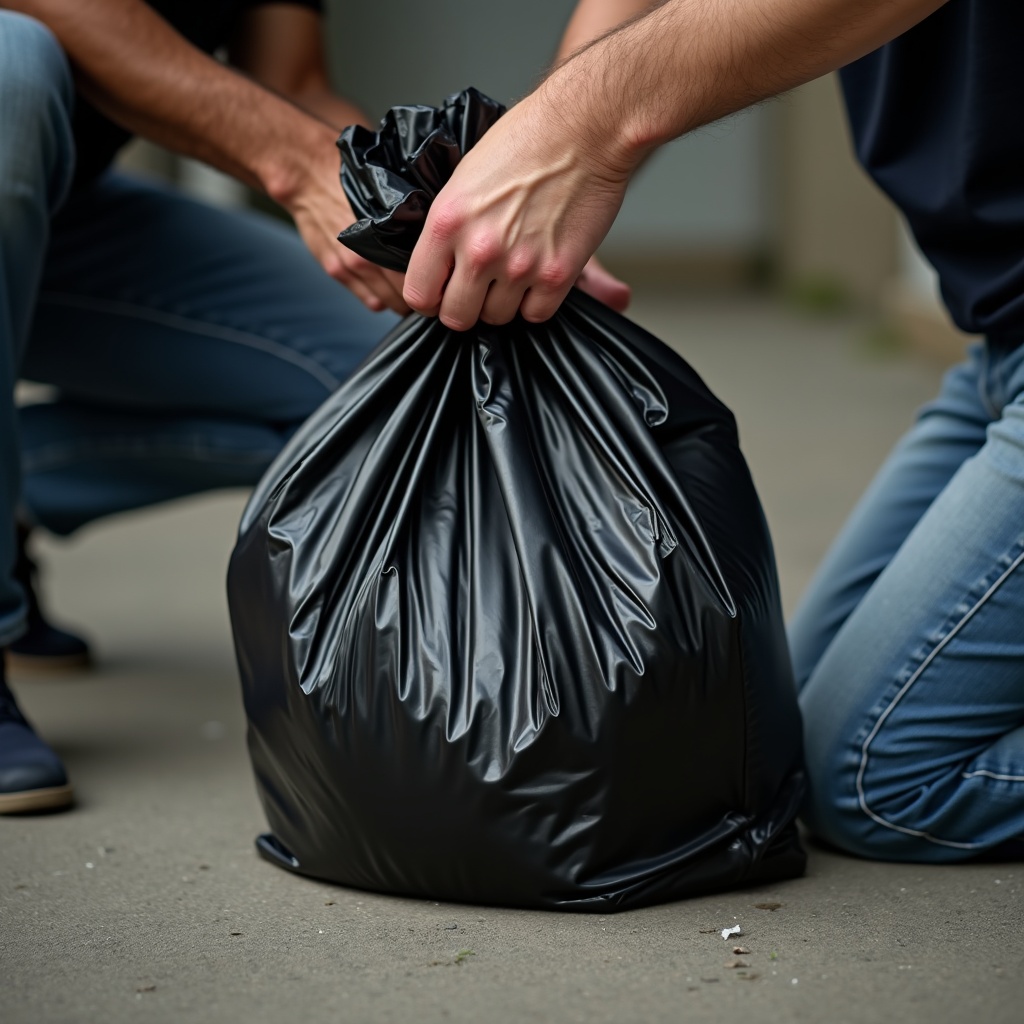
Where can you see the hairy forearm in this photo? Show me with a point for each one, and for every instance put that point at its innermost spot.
(689, 62)
(137, 70)
(530, 203)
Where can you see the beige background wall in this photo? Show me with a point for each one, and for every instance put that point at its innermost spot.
(834, 225)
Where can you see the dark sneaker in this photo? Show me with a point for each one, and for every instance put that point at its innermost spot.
(43, 647)
(31, 775)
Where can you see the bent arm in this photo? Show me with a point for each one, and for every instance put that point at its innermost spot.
(530, 203)
(689, 62)
(137, 70)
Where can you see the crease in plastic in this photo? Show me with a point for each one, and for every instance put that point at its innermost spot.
(505, 608)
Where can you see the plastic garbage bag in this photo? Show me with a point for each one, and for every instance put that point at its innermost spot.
(506, 609)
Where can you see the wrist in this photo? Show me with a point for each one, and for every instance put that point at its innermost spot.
(613, 92)
(593, 125)
(298, 159)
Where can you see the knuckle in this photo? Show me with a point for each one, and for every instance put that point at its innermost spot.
(554, 275)
(519, 266)
(482, 250)
(447, 219)
(335, 267)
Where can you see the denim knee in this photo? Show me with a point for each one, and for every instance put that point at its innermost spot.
(32, 56)
(36, 99)
(866, 810)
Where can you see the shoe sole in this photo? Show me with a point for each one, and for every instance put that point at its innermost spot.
(52, 799)
(31, 664)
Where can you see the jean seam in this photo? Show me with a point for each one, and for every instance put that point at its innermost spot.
(191, 325)
(985, 773)
(50, 457)
(915, 676)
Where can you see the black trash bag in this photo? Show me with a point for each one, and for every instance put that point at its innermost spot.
(506, 609)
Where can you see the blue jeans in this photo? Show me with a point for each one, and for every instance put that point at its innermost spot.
(185, 343)
(909, 645)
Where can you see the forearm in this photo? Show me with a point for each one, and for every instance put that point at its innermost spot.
(137, 70)
(594, 18)
(689, 62)
(529, 204)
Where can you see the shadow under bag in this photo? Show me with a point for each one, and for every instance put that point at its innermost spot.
(506, 608)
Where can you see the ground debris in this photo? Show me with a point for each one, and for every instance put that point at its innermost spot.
(728, 933)
(752, 976)
(732, 964)
(456, 961)
(329, 903)
(708, 931)
(146, 988)
(740, 951)
(768, 906)
(234, 933)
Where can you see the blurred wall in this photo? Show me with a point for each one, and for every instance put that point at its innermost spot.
(836, 229)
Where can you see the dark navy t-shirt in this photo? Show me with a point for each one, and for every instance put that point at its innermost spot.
(207, 24)
(938, 122)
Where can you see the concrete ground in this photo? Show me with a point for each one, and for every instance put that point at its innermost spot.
(147, 902)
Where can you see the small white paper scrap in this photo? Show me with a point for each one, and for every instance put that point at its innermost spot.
(734, 930)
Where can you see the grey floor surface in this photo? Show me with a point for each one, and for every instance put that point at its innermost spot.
(147, 903)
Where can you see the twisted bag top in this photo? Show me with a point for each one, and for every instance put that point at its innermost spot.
(392, 176)
(505, 608)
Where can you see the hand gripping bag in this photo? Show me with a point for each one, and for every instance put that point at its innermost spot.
(506, 610)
